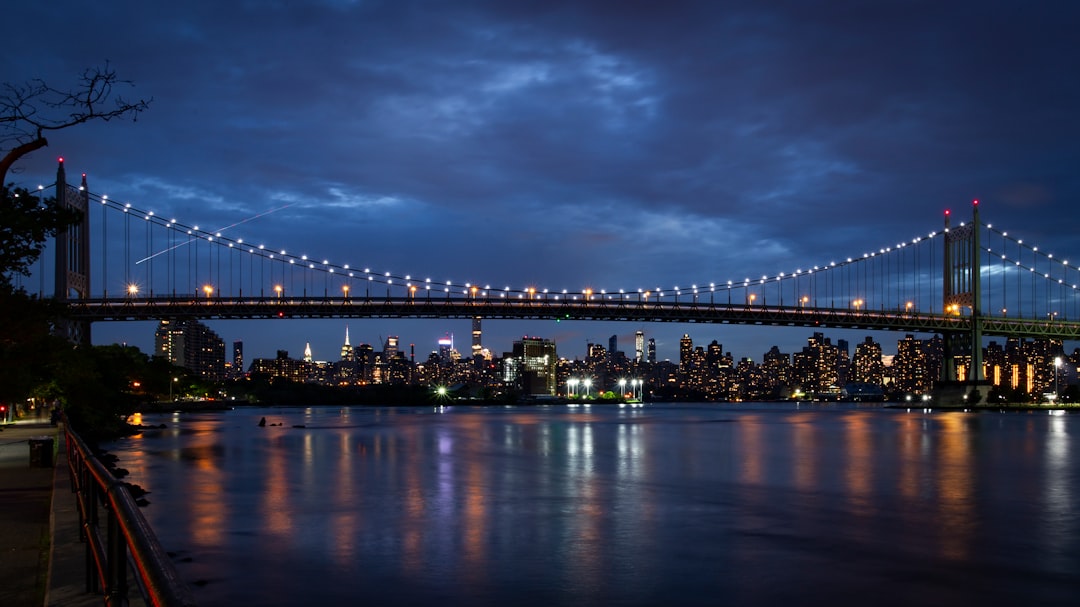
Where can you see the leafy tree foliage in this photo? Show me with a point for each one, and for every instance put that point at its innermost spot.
(93, 383)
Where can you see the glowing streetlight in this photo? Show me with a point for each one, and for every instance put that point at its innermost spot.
(571, 384)
(803, 301)
(209, 290)
(345, 291)
(588, 385)
(857, 303)
(751, 298)
(622, 387)
(908, 306)
(588, 295)
(278, 289)
(133, 289)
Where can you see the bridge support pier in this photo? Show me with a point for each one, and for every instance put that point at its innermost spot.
(73, 256)
(962, 291)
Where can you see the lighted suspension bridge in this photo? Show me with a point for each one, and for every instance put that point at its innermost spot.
(963, 281)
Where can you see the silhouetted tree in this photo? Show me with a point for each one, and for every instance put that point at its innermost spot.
(30, 110)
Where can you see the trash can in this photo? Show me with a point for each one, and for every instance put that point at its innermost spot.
(41, 452)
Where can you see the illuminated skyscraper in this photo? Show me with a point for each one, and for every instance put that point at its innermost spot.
(866, 365)
(390, 348)
(446, 348)
(477, 346)
(238, 358)
(534, 360)
(347, 353)
(639, 346)
(192, 345)
(686, 349)
(652, 350)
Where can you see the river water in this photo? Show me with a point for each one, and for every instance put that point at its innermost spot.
(770, 504)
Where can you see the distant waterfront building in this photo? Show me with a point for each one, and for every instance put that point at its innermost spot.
(776, 367)
(291, 369)
(867, 366)
(639, 347)
(534, 361)
(652, 350)
(477, 346)
(390, 348)
(815, 367)
(238, 358)
(193, 346)
(612, 347)
(686, 348)
(446, 349)
(307, 353)
(347, 353)
(910, 366)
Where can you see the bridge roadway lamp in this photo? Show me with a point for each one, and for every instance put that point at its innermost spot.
(278, 289)
(209, 290)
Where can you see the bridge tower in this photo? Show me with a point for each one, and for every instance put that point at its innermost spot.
(962, 290)
(73, 255)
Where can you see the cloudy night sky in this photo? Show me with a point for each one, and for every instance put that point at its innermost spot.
(569, 144)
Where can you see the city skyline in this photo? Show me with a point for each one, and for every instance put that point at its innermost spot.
(570, 145)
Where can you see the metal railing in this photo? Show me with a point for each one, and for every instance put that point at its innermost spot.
(126, 536)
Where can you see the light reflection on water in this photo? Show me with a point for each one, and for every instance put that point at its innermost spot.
(690, 504)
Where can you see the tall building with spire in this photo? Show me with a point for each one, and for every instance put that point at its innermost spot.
(347, 353)
(307, 353)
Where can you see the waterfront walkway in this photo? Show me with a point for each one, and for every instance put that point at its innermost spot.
(42, 561)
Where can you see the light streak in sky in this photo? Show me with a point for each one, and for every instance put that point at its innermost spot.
(252, 218)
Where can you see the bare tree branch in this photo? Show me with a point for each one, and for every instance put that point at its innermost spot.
(29, 110)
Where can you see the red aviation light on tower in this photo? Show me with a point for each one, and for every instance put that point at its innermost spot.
(60, 160)
(975, 202)
(947, 212)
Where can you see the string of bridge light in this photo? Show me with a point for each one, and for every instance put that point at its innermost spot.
(407, 282)
(1047, 276)
(1049, 257)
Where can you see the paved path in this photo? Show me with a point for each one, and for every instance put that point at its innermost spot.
(42, 560)
(25, 507)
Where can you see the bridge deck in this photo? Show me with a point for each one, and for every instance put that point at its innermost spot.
(155, 308)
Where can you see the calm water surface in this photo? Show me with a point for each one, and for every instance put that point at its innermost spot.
(664, 504)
